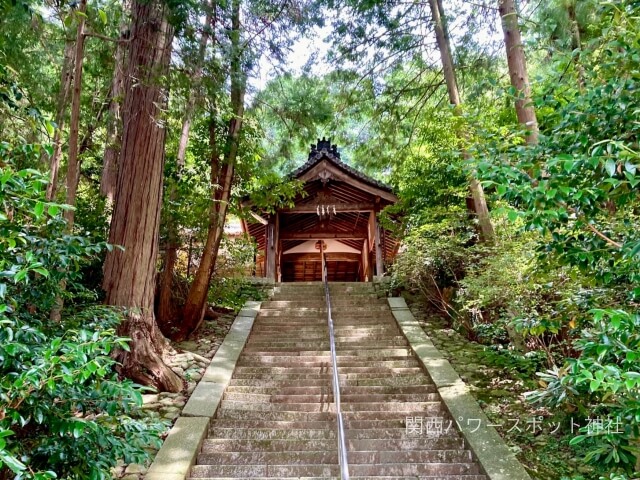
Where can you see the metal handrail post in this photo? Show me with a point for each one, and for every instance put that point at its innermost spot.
(342, 446)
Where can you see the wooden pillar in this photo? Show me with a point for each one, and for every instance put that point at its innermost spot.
(322, 259)
(378, 242)
(366, 275)
(270, 250)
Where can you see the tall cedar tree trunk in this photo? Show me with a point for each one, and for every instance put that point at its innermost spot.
(518, 69)
(129, 275)
(114, 125)
(220, 189)
(442, 39)
(165, 308)
(73, 167)
(66, 77)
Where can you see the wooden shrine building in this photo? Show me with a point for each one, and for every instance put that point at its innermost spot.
(338, 211)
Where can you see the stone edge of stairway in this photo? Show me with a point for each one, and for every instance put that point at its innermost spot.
(493, 454)
(179, 450)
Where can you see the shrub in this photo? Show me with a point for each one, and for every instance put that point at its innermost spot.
(64, 413)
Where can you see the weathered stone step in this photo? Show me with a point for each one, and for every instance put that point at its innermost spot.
(328, 397)
(329, 415)
(295, 357)
(337, 310)
(212, 445)
(326, 390)
(322, 376)
(267, 336)
(322, 382)
(302, 327)
(326, 369)
(359, 407)
(323, 456)
(283, 471)
(377, 477)
(395, 423)
(408, 362)
(305, 303)
(284, 343)
(341, 337)
(368, 353)
(233, 433)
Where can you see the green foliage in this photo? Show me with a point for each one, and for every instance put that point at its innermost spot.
(230, 287)
(64, 412)
(434, 258)
(603, 383)
(579, 190)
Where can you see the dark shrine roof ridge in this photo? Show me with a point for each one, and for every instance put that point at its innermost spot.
(324, 150)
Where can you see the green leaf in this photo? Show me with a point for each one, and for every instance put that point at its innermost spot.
(610, 166)
(103, 16)
(577, 439)
(15, 465)
(38, 210)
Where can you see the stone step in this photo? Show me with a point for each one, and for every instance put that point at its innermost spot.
(341, 337)
(324, 376)
(326, 382)
(377, 477)
(326, 369)
(395, 423)
(359, 407)
(328, 397)
(345, 390)
(306, 434)
(327, 457)
(285, 343)
(328, 415)
(306, 303)
(296, 471)
(321, 331)
(368, 353)
(295, 357)
(276, 338)
(257, 362)
(212, 445)
(338, 310)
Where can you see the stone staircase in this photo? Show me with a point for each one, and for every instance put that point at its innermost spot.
(277, 418)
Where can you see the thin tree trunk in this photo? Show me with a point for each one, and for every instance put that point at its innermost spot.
(73, 169)
(576, 42)
(114, 126)
(66, 77)
(73, 164)
(165, 308)
(195, 85)
(196, 299)
(129, 274)
(518, 69)
(442, 39)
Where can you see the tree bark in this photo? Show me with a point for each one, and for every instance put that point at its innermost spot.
(576, 42)
(477, 192)
(73, 167)
(114, 125)
(518, 69)
(129, 274)
(220, 189)
(165, 308)
(66, 77)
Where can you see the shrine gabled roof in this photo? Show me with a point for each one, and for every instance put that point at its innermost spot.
(325, 151)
